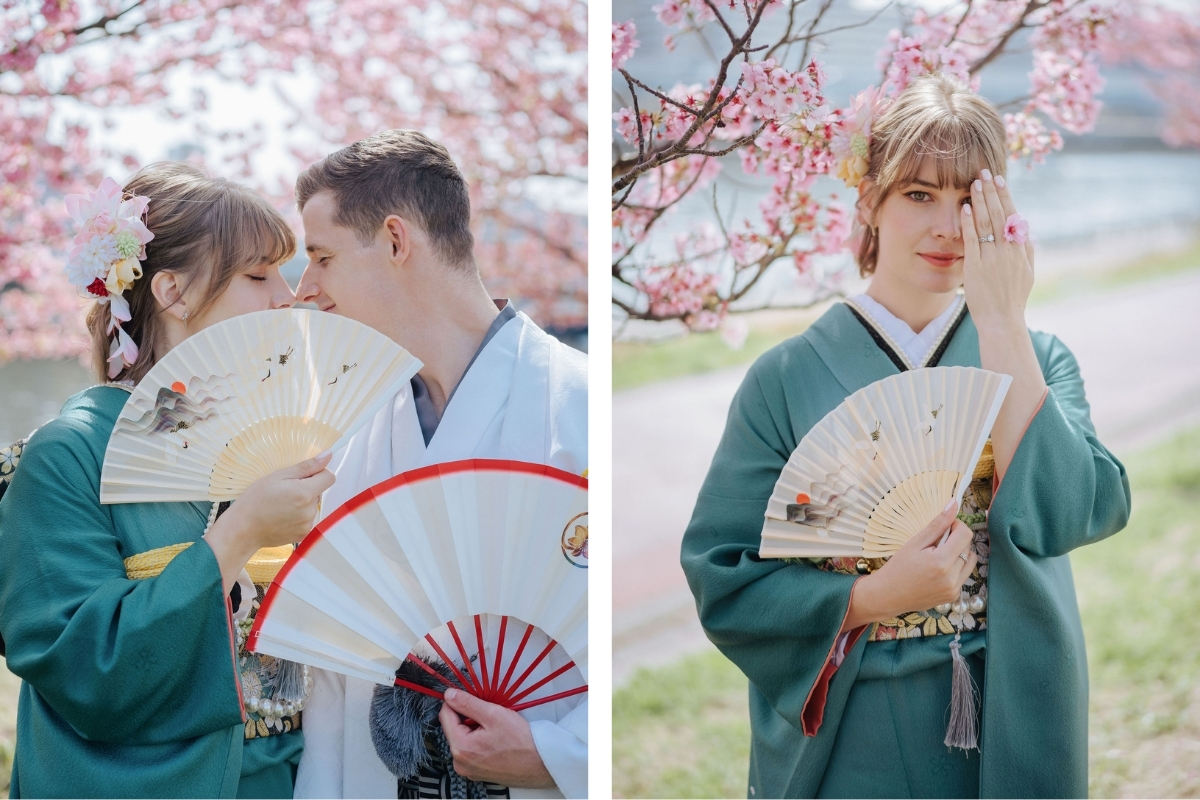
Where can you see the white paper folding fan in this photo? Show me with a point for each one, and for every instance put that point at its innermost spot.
(245, 397)
(491, 553)
(875, 470)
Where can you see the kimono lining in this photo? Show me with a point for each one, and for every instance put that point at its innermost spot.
(812, 713)
(896, 353)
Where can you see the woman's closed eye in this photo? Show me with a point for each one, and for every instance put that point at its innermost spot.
(256, 277)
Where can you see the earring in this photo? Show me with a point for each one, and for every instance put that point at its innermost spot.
(185, 316)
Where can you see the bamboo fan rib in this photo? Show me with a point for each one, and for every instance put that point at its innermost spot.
(245, 397)
(875, 470)
(480, 564)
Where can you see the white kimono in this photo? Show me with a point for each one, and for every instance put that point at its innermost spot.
(524, 398)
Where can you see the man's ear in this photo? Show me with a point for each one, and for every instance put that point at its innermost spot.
(398, 232)
(868, 192)
(168, 291)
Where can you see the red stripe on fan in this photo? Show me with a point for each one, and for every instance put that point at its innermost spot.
(528, 670)
(516, 658)
(499, 655)
(421, 663)
(487, 691)
(446, 660)
(549, 698)
(475, 684)
(404, 478)
(418, 688)
(542, 682)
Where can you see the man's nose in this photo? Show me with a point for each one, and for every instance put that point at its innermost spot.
(308, 290)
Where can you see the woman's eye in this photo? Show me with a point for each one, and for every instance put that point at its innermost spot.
(920, 197)
(257, 277)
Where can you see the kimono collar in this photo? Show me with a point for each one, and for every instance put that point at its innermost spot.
(856, 359)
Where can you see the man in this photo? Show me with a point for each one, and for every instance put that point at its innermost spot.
(387, 233)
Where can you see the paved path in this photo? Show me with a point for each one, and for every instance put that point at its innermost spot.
(1138, 348)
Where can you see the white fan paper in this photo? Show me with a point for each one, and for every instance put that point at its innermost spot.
(875, 470)
(494, 550)
(245, 397)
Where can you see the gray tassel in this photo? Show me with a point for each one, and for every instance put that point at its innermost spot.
(289, 682)
(405, 729)
(964, 702)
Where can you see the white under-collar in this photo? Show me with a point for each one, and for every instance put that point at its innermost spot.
(917, 347)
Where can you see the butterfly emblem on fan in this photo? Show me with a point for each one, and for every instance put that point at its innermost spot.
(245, 397)
(575, 541)
(454, 563)
(876, 469)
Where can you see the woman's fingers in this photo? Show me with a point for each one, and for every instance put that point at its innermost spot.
(996, 211)
(957, 542)
(1005, 196)
(968, 566)
(970, 235)
(984, 224)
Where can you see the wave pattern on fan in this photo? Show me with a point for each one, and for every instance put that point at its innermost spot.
(245, 397)
(423, 551)
(474, 675)
(875, 470)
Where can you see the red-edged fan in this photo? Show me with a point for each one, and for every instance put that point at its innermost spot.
(482, 563)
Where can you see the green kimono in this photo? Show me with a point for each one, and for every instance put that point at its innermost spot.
(876, 726)
(130, 687)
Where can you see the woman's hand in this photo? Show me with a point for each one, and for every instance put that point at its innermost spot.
(921, 575)
(274, 510)
(997, 277)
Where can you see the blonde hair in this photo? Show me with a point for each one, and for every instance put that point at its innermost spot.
(205, 229)
(935, 117)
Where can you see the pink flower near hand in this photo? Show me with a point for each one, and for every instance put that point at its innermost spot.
(1015, 229)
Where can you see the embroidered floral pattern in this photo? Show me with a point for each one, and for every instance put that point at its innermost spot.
(970, 613)
(257, 674)
(9, 458)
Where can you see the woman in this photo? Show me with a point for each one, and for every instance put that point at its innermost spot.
(849, 664)
(119, 618)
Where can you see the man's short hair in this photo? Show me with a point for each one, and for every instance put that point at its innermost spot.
(400, 172)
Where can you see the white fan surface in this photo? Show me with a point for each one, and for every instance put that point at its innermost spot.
(875, 470)
(462, 542)
(245, 397)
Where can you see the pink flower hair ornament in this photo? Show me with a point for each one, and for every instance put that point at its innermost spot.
(105, 260)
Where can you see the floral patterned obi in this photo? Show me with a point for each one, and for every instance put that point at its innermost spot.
(969, 612)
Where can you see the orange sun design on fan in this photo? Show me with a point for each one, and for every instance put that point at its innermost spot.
(179, 387)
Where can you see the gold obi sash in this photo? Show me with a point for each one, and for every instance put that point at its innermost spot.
(262, 567)
(943, 620)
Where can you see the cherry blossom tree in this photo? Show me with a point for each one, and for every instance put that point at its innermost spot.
(766, 102)
(500, 82)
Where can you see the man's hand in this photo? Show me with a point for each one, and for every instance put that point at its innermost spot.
(500, 750)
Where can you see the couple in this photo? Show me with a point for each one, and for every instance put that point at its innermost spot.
(120, 618)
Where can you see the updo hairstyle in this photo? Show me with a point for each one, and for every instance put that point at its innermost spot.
(205, 229)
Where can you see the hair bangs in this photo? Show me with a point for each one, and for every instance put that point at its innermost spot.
(956, 152)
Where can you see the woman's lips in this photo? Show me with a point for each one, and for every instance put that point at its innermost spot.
(940, 259)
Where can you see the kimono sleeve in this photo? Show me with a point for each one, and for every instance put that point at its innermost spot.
(120, 660)
(778, 621)
(1063, 488)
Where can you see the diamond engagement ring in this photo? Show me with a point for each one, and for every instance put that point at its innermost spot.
(963, 555)
(989, 238)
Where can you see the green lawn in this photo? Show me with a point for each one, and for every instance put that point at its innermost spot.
(682, 731)
(635, 364)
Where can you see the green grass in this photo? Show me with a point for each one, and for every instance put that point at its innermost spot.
(636, 364)
(683, 730)
(1065, 285)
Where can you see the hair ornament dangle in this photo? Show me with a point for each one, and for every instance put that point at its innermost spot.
(105, 260)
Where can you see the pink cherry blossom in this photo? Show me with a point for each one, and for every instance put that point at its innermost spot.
(623, 42)
(1015, 229)
(773, 114)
